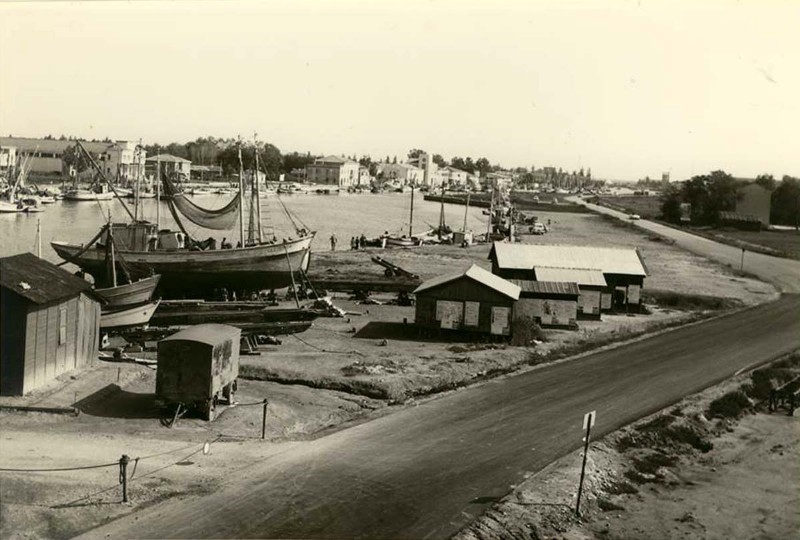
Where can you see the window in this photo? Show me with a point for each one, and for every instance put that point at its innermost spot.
(62, 325)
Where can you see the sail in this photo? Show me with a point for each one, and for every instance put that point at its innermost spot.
(221, 219)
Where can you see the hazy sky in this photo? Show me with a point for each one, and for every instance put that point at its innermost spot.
(626, 88)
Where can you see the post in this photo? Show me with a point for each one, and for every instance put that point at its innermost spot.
(39, 238)
(741, 265)
(583, 466)
(123, 476)
(264, 420)
(411, 216)
(466, 209)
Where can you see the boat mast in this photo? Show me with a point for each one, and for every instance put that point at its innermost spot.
(411, 218)
(241, 196)
(491, 216)
(39, 238)
(136, 202)
(465, 213)
(441, 213)
(258, 193)
(111, 248)
(158, 192)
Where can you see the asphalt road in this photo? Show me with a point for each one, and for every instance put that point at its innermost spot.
(783, 273)
(427, 471)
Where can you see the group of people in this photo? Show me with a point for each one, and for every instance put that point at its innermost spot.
(356, 242)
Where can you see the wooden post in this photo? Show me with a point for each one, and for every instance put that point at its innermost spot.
(588, 421)
(264, 420)
(123, 476)
(741, 265)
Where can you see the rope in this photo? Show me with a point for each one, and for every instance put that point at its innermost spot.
(251, 404)
(62, 469)
(301, 340)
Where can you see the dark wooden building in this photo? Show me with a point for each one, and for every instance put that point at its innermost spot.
(49, 323)
(590, 282)
(549, 303)
(472, 301)
(622, 268)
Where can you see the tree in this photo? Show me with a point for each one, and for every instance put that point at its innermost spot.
(710, 194)
(785, 206)
(394, 161)
(414, 153)
(671, 204)
(483, 165)
(767, 181)
(73, 157)
(439, 160)
(295, 160)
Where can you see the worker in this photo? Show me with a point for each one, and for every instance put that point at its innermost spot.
(333, 241)
(362, 242)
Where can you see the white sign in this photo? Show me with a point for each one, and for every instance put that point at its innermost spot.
(588, 419)
(471, 313)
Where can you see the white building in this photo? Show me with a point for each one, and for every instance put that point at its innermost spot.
(334, 170)
(170, 165)
(404, 174)
(124, 160)
(8, 159)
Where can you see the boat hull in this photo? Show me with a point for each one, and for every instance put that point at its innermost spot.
(128, 317)
(196, 274)
(86, 195)
(131, 293)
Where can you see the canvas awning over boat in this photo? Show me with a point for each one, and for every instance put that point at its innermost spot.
(220, 219)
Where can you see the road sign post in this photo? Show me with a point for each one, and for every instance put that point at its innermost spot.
(741, 265)
(588, 423)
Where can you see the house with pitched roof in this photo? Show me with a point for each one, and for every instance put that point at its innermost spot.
(333, 171)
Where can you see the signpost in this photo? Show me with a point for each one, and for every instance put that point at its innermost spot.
(741, 266)
(588, 424)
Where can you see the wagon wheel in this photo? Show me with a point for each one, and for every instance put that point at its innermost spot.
(388, 272)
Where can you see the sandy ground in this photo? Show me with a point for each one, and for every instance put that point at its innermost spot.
(346, 369)
(742, 488)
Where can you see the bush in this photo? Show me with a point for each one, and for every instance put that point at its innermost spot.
(731, 405)
(525, 330)
(688, 302)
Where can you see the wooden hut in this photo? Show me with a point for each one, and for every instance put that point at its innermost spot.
(590, 281)
(622, 268)
(549, 303)
(474, 301)
(49, 323)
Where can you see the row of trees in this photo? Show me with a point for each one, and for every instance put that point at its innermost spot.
(710, 194)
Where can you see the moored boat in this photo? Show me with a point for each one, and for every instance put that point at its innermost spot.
(76, 194)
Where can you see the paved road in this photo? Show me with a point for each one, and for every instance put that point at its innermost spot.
(783, 273)
(427, 471)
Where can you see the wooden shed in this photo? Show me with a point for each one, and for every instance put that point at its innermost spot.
(549, 303)
(622, 268)
(590, 281)
(49, 323)
(474, 301)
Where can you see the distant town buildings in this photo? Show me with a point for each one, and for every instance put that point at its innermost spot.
(8, 160)
(170, 165)
(334, 170)
(404, 174)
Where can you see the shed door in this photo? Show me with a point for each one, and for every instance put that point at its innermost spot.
(501, 319)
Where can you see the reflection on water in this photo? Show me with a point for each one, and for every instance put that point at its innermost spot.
(347, 215)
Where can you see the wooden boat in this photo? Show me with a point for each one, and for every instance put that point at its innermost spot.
(128, 316)
(7, 207)
(87, 195)
(191, 268)
(128, 294)
(402, 242)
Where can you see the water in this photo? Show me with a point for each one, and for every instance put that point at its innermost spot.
(347, 215)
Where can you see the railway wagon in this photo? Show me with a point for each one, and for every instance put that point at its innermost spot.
(198, 367)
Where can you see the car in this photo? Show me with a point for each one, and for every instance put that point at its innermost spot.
(634, 216)
(538, 228)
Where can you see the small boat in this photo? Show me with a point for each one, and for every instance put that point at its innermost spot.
(10, 207)
(402, 242)
(76, 194)
(128, 316)
(131, 293)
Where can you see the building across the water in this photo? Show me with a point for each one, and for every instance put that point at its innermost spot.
(170, 165)
(335, 171)
(49, 323)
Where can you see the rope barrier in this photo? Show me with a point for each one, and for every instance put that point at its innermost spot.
(62, 469)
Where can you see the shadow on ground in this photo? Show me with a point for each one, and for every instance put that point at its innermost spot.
(112, 401)
(410, 332)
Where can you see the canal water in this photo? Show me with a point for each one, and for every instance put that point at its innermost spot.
(346, 215)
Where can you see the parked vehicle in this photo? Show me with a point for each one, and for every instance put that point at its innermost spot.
(198, 367)
(538, 228)
(634, 216)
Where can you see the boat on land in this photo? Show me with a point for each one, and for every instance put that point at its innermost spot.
(137, 292)
(128, 316)
(192, 267)
(403, 241)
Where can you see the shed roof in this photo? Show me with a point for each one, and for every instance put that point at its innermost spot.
(39, 281)
(210, 334)
(478, 274)
(50, 146)
(581, 276)
(167, 158)
(528, 256)
(560, 288)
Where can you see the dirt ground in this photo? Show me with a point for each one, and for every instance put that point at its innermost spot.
(739, 484)
(340, 371)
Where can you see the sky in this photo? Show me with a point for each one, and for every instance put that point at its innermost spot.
(628, 89)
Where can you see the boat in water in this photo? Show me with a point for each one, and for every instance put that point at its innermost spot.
(192, 268)
(99, 193)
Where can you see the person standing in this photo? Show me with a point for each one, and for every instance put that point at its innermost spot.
(333, 241)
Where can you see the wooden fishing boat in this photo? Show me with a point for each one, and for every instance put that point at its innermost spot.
(128, 316)
(192, 268)
(87, 195)
(128, 294)
(7, 207)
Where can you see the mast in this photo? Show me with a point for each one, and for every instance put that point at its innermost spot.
(258, 193)
(441, 214)
(411, 218)
(465, 212)
(491, 216)
(111, 250)
(158, 192)
(136, 202)
(39, 238)
(241, 196)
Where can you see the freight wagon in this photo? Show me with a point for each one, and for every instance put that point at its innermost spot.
(198, 367)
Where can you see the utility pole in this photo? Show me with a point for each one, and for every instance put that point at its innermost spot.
(588, 423)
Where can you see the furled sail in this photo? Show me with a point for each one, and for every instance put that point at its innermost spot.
(220, 219)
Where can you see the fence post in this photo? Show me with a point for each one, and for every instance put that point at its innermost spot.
(264, 420)
(123, 475)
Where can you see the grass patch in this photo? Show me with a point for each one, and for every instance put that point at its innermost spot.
(351, 386)
(689, 302)
(730, 405)
(666, 431)
(621, 487)
(650, 463)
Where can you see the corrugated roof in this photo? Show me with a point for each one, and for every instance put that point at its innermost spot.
(39, 281)
(529, 256)
(547, 287)
(478, 274)
(581, 276)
